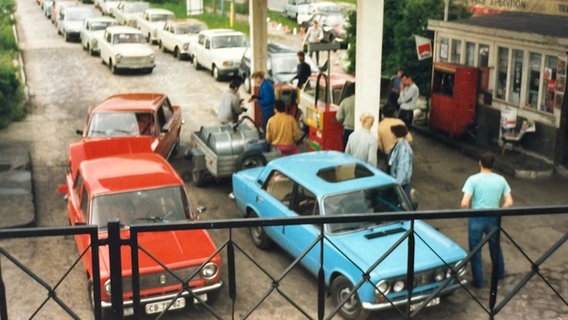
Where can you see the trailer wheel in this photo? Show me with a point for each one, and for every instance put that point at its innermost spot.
(198, 177)
(250, 160)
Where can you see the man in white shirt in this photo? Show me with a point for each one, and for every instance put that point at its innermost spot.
(314, 34)
(230, 107)
(408, 98)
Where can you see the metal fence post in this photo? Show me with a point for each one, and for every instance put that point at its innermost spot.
(3, 304)
(114, 244)
(410, 267)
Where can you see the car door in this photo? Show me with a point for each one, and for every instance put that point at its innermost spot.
(168, 128)
(298, 238)
(206, 59)
(198, 48)
(104, 47)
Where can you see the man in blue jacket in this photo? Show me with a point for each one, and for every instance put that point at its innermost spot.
(265, 97)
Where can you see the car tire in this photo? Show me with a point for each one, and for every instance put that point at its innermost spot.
(352, 309)
(247, 83)
(250, 160)
(66, 37)
(176, 53)
(105, 313)
(196, 63)
(112, 67)
(260, 239)
(198, 177)
(215, 73)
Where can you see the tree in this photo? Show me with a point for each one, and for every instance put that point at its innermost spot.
(402, 21)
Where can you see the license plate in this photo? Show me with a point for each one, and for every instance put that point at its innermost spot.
(157, 307)
(433, 302)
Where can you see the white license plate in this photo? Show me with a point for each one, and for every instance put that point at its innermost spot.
(433, 302)
(157, 307)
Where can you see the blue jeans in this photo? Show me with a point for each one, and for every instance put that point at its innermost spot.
(477, 228)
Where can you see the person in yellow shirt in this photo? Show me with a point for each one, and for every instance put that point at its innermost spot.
(282, 130)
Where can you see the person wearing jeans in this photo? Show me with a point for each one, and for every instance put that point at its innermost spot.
(485, 190)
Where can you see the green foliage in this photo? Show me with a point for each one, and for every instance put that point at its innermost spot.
(402, 21)
(11, 95)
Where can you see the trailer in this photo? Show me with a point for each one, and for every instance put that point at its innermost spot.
(220, 150)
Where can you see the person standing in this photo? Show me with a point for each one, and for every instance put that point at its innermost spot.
(346, 113)
(386, 137)
(303, 70)
(362, 144)
(485, 190)
(395, 88)
(314, 34)
(282, 130)
(400, 158)
(265, 97)
(407, 99)
(230, 106)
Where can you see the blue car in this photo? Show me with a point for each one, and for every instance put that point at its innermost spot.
(330, 183)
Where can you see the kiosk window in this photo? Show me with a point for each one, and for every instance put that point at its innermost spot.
(549, 78)
(456, 51)
(443, 83)
(470, 54)
(502, 65)
(516, 76)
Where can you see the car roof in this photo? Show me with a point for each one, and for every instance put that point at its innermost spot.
(128, 172)
(101, 18)
(158, 10)
(186, 21)
(122, 29)
(304, 167)
(131, 102)
(216, 32)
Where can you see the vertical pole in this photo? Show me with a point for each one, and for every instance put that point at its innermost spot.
(410, 266)
(494, 270)
(232, 268)
(3, 304)
(232, 14)
(115, 268)
(321, 279)
(135, 274)
(446, 9)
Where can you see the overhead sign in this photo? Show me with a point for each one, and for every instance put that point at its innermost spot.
(555, 7)
(423, 47)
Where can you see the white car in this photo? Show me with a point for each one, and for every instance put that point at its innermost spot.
(93, 31)
(219, 50)
(70, 21)
(176, 36)
(106, 6)
(291, 8)
(306, 11)
(151, 21)
(124, 47)
(126, 12)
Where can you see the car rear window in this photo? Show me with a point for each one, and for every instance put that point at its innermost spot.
(344, 172)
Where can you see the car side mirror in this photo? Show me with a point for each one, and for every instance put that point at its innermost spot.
(63, 189)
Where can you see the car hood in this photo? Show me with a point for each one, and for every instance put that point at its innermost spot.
(74, 25)
(364, 248)
(172, 248)
(133, 49)
(232, 54)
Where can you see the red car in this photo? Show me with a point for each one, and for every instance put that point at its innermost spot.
(137, 114)
(140, 187)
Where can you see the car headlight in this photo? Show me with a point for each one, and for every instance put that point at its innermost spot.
(107, 287)
(185, 46)
(398, 286)
(439, 275)
(117, 58)
(226, 63)
(209, 271)
(382, 288)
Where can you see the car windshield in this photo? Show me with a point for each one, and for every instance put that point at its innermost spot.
(232, 41)
(165, 204)
(101, 25)
(128, 38)
(162, 17)
(190, 28)
(332, 20)
(112, 124)
(388, 198)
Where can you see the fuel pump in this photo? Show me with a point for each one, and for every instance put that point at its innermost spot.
(325, 133)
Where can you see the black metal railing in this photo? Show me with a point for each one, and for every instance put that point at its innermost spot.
(115, 243)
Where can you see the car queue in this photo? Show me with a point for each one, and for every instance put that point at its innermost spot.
(83, 200)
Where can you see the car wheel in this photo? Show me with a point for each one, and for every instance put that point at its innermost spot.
(215, 73)
(105, 313)
(90, 50)
(198, 177)
(66, 37)
(176, 53)
(352, 309)
(260, 239)
(247, 83)
(250, 160)
(161, 46)
(196, 63)
(112, 67)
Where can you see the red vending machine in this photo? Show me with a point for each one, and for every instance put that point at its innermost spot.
(454, 97)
